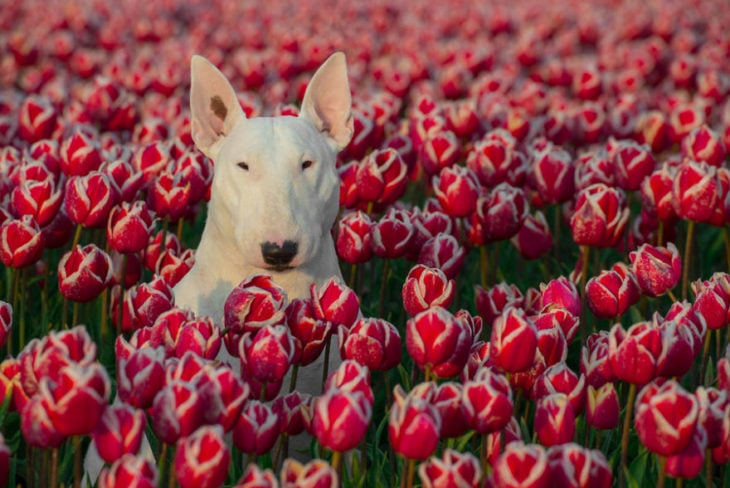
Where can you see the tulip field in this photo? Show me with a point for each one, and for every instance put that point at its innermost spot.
(533, 238)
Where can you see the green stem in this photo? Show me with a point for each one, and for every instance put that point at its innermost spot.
(409, 471)
(75, 316)
(483, 265)
(77, 236)
(660, 234)
(585, 251)
(685, 261)
(326, 365)
(293, 380)
(625, 435)
(54, 467)
(705, 354)
(336, 464)
(383, 283)
(179, 233)
(662, 471)
(162, 462)
(353, 276)
(77, 461)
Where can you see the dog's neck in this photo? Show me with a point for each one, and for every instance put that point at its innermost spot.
(219, 267)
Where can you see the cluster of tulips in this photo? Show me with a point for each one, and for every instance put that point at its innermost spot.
(533, 231)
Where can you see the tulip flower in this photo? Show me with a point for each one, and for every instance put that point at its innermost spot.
(513, 341)
(257, 429)
(202, 458)
(437, 342)
(657, 269)
(413, 426)
(487, 401)
(84, 272)
(119, 432)
(374, 343)
(21, 242)
(89, 199)
(315, 474)
(453, 469)
(521, 465)
(129, 470)
(353, 241)
(340, 419)
(255, 302)
(573, 465)
(426, 287)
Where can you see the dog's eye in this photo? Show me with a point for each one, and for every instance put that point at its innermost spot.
(306, 164)
(243, 166)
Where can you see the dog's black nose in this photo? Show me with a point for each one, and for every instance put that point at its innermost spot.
(279, 256)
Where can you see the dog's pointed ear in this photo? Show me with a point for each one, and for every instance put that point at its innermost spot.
(327, 101)
(213, 105)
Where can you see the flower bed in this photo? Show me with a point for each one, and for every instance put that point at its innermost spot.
(533, 234)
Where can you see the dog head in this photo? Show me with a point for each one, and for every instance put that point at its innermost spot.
(275, 186)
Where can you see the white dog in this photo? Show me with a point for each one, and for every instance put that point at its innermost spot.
(274, 199)
(275, 188)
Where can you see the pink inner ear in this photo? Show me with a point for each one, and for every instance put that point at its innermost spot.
(218, 107)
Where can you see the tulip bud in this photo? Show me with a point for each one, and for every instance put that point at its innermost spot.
(127, 471)
(440, 150)
(335, 302)
(499, 214)
(257, 428)
(381, 177)
(695, 193)
(573, 465)
(315, 474)
(704, 144)
(169, 195)
(413, 426)
(340, 419)
(437, 342)
(392, 234)
(443, 252)
(513, 341)
(21, 242)
(456, 189)
(353, 241)
(374, 343)
(657, 269)
(89, 199)
(602, 408)
(255, 302)
(426, 287)
(552, 174)
(267, 355)
(177, 411)
(487, 401)
(202, 459)
(612, 292)
(84, 272)
(665, 417)
(634, 353)
(632, 162)
(119, 432)
(255, 477)
(453, 469)
(534, 238)
(521, 465)
(599, 217)
(129, 227)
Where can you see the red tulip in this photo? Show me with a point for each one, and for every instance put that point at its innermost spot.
(374, 343)
(534, 239)
(335, 302)
(695, 193)
(255, 302)
(80, 155)
(21, 242)
(487, 401)
(634, 353)
(89, 199)
(704, 144)
(657, 269)
(602, 407)
(413, 426)
(266, 355)
(521, 465)
(599, 217)
(169, 195)
(665, 417)
(392, 235)
(456, 189)
(437, 342)
(177, 411)
(6, 322)
(443, 252)
(572, 465)
(255, 477)
(353, 241)
(612, 292)
(290, 409)
(37, 119)
(448, 401)
(500, 214)
(381, 177)
(452, 470)
(119, 432)
(552, 172)
(84, 272)
(129, 227)
(513, 341)
(310, 334)
(439, 150)
(315, 474)
(426, 287)
(632, 162)
(340, 419)
(78, 389)
(257, 428)
(128, 471)
(202, 459)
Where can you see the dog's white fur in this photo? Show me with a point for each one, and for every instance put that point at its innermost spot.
(278, 198)
(289, 191)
